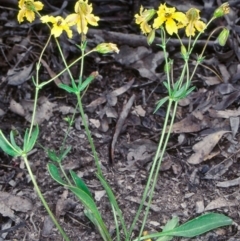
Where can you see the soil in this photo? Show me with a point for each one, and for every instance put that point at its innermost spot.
(207, 122)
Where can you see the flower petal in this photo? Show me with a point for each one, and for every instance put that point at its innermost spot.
(93, 20)
(159, 21)
(30, 15)
(171, 26)
(200, 25)
(47, 19)
(38, 5)
(190, 30)
(180, 17)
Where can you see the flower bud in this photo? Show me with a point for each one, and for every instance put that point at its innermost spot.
(223, 36)
(222, 10)
(151, 37)
(183, 51)
(168, 66)
(105, 48)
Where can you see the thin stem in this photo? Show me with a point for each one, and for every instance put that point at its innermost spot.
(99, 171)
(159, 163)
(65, 175)
(82, 65)
(61, 72)
(156, 157)
(37, 89)
(64, 61)
(39, 193)
(204, 48)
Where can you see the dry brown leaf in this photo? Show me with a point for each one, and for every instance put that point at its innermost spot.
(16, 108)
(12, 201)
(120, 122)
(19, 76)
(220, 203)
(190, 124)
(111, 97)
(142, 59)
(44, 110)
(224, 113)
(203, 148)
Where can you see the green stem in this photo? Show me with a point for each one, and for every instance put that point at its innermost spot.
(99, 170)
(61, 72)
(159, 161)
(204, 48)
(156, 158)
(64, 61)
(39, 193)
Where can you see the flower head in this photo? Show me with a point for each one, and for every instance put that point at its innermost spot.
(222, 10)
(170, 17)
(59, 24)
(82, 16)
(28, 9)
(143, 18)
(105, 48)
(194, 22)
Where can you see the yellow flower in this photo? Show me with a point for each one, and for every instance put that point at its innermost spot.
(59, 24)
(169, 16)
(82, 16)
(143, 18)
(194, 22)
(105, 48)
(28, 9)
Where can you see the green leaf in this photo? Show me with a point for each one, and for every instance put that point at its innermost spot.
(85, 83)
(196, 226)
(171, 224)
(92, 211)
(64, 154)
(80, 183)
(6, 146)
(109, 192)
(53, 156)
(16, 147)
(67, 88)
(53, 170)
(180, 93)
(160, 103)
(167, 86)
(190, 90)
(33, 138)
(201, 225)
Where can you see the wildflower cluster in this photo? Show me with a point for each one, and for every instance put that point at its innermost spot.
(81, 19)
(174, 20)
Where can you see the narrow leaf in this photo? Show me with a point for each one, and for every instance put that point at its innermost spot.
(32, 139)
(53, 156)
(53, 170)
(14, 144)
(80, 183)
(94, 214)
(67, 88)
(160, 103)
(64, 154)
(85, 83)
(6, 146)
(197, 226)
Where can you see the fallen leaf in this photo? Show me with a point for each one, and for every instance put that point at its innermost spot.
(203, 148)
(19, 76)
(220, 203)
